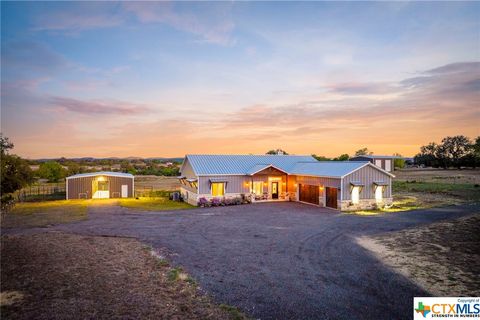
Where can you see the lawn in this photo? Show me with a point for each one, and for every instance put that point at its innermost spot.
(40, 214)
(154, 204)
(410, 195)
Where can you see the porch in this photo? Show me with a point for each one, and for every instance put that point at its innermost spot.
(269, 184)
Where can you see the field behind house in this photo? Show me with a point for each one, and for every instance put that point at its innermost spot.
(468, 176)
(426, 188)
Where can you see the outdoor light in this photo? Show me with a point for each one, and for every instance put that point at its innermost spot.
(101, 178)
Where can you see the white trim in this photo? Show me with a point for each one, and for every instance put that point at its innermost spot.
(341, 191)
(371, 165)
(102, 173)
(66, 189)
(266, 167)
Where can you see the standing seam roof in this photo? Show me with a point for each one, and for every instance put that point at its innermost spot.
(241, 164)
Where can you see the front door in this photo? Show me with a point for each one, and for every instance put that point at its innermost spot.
(331, 197)
(274, 190)
(124, 190)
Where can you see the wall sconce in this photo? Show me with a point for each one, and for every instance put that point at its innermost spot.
(295, 185)
(101, 178)
(321, 188)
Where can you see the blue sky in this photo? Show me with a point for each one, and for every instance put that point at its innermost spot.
(165, 79)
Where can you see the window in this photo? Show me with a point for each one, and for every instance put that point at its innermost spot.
(355, 195)
(218, 189)
(379, 193)
(257, 187)
(388, 165)
(102, 185)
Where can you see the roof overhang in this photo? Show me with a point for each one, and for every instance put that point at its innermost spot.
(380, 183)
(214, 180)
(357, 184)
(258, 168)
(371, 165)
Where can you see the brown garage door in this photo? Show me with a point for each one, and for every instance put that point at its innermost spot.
(308, 193)
(331, 197)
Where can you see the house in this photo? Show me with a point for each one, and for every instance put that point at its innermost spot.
(100, 185)
(345, 185)
(384, 162)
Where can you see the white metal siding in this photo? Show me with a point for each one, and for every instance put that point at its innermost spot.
(366, 175)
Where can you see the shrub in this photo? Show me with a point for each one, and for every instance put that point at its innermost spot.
(238, 200)
(229, 201)
(203, 202)
(216, 202)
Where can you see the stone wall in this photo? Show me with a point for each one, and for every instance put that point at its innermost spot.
(364, 204)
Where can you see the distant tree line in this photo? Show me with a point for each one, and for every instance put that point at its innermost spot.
(457, 151)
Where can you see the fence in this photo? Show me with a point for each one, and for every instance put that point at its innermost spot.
(41, 192)
(58, 192)
(150, 191)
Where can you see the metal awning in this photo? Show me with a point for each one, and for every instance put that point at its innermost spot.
(357, 184)
(212, 180)
(380, 183)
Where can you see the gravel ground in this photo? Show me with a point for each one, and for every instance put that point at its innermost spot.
(63, 276)
(278, 260)
(443, 257)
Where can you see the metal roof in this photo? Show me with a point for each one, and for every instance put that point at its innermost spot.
(334, 169)
(102, 173)
(209, 164)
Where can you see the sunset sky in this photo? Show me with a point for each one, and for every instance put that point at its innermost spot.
(165, 79)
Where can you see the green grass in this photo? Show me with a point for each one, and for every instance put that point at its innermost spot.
(39, 214)
(411, 195)
(154, 204)
(463, 191)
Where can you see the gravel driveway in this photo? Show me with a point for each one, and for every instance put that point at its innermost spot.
(279, 260)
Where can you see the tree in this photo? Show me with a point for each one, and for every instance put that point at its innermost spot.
(363, 152)
(453, 149)
(428, 155)
(15, 171)
(399, 162)
(342, 157)
(73, 168)
(277, 151)
(5, 145)
(51, 170)
(321, 158)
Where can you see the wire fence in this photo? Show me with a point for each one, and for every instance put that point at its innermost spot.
(40, 192)
(58, 192)
(152, 192)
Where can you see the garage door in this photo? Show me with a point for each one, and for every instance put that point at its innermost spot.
(331, 197)
(308, 193)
